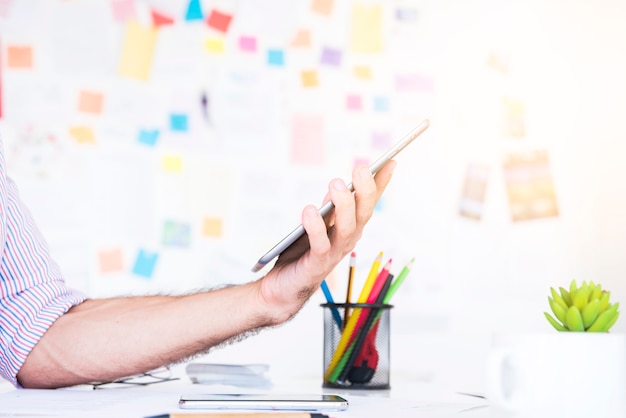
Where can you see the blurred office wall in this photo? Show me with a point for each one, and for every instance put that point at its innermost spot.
(163, 146)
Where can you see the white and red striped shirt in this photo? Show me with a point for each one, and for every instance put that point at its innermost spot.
(33, 293)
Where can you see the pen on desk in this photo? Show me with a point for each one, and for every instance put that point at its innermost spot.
(329, 299)
(244, 415)
(351, 269)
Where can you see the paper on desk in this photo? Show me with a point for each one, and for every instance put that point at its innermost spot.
(246, 375)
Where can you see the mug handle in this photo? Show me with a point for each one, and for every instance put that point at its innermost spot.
(497, 386)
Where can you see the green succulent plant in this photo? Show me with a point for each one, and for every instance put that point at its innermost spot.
(582, 309)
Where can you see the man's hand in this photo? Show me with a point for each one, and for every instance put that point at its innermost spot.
(299, 271)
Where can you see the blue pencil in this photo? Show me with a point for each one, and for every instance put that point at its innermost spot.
(329, 299)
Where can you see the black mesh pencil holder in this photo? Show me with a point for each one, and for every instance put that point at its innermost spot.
(356, 345)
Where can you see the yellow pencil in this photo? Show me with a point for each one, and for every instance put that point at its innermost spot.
(354, 318)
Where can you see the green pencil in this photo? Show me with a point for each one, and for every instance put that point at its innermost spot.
(398, 281)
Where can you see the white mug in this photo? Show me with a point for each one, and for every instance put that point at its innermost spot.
(558, 374)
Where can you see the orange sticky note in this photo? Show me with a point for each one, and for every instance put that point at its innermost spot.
(302, 39)
(173, 163)
(19, 56)
(83, 134)
(90, 102)
(110, 261)
(366, 34)
(324, 7)
(309, 78)
(137, 51)
(212, 227)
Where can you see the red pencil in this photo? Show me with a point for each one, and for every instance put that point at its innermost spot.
(379, 283)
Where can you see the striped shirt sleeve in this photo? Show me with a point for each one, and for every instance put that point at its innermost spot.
(33, 293)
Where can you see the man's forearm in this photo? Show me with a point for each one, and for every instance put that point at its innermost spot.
(122, 336)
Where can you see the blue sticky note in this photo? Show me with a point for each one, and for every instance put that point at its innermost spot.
(176, 234)
(194, 11)
(178, 122)
(275, 57)
(144, 264)
(148, 137)
(381, 104)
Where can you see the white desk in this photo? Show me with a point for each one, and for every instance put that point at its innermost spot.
(404, 399)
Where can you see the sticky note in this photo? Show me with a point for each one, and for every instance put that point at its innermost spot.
(381, 140)
(381, 104)
(323, 7)
(148, 137)
(529, 185)
(137, 51)
(366, 31)
(331, 56)
(364, 72)
(19, 56)
(414, 83)
(307, 139)
(219, 20)
(5, 6)
(179, 122)
(194, 11)
(83, 134)
(110, 261)
(123, 10)
(302, 39)
(276, 57)
(309, 78)
(406, 14)
(90, 102)
(354, 102)
(474, 190)
(247, 43)
(173, 163)
(212, 227)
(214, 45)
(159, 19)
(145, 263)
(513, 123)
(176, 234)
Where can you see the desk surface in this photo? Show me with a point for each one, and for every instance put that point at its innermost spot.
(405, 399)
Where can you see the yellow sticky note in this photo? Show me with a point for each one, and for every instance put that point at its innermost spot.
(364, 72)
(83, 134)
(173, 163)
(137, 51)
(214, 45)
(309, 78)
(366, 34)
(90, 102)
(212, 227)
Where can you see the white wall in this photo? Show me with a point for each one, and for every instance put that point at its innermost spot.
(562, 61)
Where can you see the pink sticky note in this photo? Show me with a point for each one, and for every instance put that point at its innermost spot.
(5, 6)
(111, 260)
(414, 82)
(307, 139)
(247, 43)
(123, 10)
(354, 102)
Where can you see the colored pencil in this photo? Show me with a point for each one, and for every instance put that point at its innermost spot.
(352, 322)
(351, 269)
(329, 299)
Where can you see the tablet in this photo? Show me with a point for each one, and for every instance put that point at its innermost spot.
(324, 210)
(272, 402)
